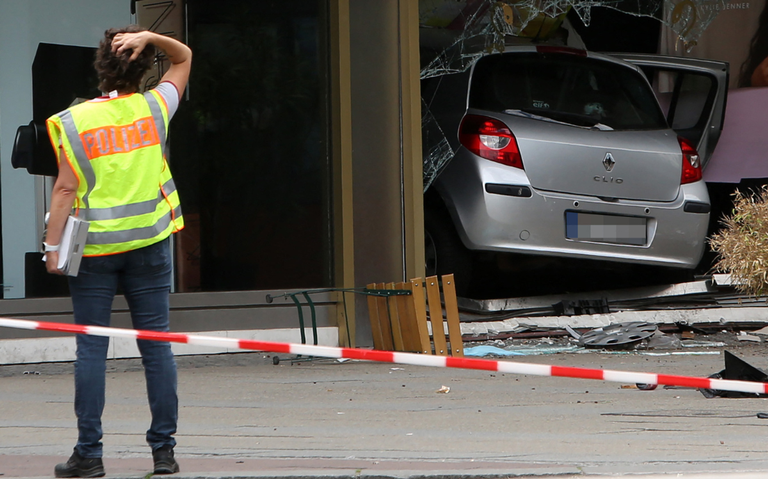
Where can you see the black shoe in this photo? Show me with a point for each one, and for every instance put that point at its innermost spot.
(79, 466)
(164, 461)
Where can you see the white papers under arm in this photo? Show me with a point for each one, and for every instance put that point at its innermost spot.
(71, 245)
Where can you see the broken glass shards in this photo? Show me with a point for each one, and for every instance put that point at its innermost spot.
(436, 151)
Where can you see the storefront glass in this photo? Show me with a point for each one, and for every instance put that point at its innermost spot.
(250, 148)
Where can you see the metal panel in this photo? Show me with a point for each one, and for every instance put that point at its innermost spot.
(386, 140)
(190, 312)
(341, 140)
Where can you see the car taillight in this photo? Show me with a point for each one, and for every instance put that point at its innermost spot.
(490, 138)
(691, 162)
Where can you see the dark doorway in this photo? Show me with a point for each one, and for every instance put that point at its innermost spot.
(250, 147)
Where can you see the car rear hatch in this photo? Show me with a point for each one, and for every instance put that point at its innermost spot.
(636, 165)
(584, 125)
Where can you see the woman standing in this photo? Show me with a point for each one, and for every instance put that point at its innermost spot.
(113, 173)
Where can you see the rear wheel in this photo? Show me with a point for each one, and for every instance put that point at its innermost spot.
(444, 251)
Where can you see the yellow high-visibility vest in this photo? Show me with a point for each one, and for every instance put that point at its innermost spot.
(125, 189)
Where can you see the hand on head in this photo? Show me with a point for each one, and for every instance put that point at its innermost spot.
(130, 41)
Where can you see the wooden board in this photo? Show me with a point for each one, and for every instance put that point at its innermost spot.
(452, 316)
(409, 328)
(373, 316)
(394, 320)
(384, 324)
(436, 316)
(420, 312)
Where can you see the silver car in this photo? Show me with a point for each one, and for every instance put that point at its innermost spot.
(567, 153)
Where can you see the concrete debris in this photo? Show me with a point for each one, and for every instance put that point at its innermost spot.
(527, 326)
(492, 328)
(669, 353)
(724, 279)
(572, 332)
(535, 305)
(494, 351)
(743, 336)
(703, 344)
(762, 332)
(704, 318)
(485, 350)
(661, 340)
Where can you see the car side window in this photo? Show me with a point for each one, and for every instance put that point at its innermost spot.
(686, 99)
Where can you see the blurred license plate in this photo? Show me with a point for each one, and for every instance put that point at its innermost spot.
(605, 228)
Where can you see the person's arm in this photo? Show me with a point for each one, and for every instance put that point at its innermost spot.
(62, 199)
(178, 54)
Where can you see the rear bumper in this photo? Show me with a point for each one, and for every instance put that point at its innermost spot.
(500, 218)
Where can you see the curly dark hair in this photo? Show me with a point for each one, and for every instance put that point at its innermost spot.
(116, 72)
(758, 50)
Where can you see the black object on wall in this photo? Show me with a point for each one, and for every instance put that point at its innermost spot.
(39, 283)
(61, 74)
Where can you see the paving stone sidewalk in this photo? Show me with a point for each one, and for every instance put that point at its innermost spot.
(242, 416)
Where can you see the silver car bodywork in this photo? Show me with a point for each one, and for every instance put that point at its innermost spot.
(584, 192)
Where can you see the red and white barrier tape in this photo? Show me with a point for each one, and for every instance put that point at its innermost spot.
(399, 358)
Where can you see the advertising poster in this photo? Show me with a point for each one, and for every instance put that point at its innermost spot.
(738, 35)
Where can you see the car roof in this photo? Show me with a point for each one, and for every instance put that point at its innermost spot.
(565, 50)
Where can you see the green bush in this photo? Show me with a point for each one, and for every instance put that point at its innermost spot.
(742, 243)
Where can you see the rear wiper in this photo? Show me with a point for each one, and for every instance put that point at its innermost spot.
(533, 116)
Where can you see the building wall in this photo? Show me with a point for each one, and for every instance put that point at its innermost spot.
(23, 25)
(237, 314)
(376, 141)
(379, 190)
(385, 200)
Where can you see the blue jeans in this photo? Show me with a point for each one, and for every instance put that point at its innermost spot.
(145, 277)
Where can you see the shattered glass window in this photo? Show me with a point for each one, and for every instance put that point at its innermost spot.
(454, 34)
(581, 92)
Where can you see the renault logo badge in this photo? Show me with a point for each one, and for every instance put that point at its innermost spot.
(608, 162)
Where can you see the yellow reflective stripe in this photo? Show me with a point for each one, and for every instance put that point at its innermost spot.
(157, 115)
(73, 137)
(133, 222)
(133, 209)
(135, 234)
(169, 187)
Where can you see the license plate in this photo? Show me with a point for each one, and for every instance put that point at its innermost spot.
(629, 230)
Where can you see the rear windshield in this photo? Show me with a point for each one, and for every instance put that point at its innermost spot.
(568, 88)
